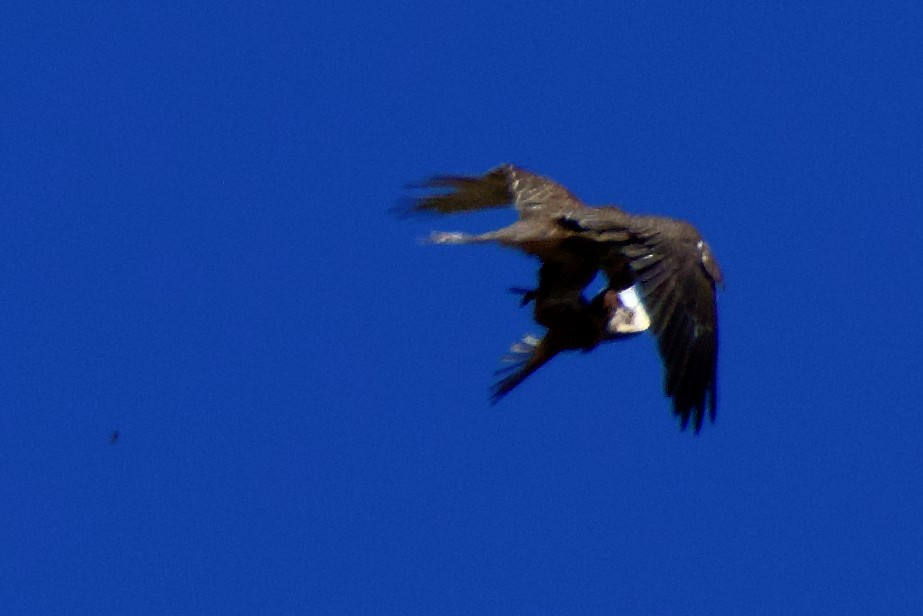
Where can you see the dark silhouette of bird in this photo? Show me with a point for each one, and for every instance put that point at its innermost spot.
(664, 262)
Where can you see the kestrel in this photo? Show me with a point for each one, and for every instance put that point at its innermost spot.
(661, 275)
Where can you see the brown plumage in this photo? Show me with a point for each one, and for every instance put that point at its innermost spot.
(666, 260)
(586, 330)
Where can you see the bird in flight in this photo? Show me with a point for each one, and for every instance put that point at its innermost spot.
(661, 275)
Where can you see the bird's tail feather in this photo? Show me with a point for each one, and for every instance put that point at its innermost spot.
(525, 357)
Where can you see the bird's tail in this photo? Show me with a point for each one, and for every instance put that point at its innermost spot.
(525, 357)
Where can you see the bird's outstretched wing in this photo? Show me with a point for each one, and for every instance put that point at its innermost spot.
(504, 185)
(544, 207)
(677, 274)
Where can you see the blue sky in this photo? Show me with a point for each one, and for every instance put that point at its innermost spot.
(197, 252)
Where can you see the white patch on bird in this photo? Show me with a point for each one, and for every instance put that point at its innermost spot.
(447, 237)
(525, 346)
(629, 298)
(630, 317)
(520, 351)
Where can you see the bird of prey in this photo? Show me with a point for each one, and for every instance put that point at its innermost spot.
(661, 274)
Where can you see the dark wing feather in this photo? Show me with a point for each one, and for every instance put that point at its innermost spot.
(680, 297)
(676, 273)
(505, 185)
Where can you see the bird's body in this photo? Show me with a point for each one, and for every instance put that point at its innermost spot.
(666, 260)
(587, 328)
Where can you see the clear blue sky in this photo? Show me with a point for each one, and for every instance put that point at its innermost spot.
(196, 251)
